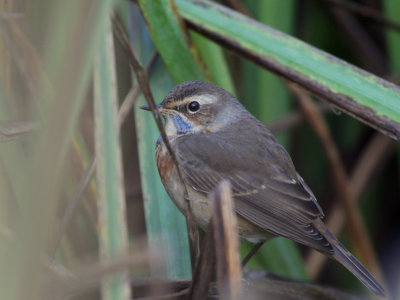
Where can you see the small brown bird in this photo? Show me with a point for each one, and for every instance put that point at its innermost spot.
(214, 138)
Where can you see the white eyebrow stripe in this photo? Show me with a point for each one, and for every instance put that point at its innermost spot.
(202, 99)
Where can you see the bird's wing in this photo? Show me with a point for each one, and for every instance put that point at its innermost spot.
(267, 190)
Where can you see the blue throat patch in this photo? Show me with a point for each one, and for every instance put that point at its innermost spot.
(182, 125)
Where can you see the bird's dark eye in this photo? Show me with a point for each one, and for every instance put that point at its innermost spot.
(194, 106)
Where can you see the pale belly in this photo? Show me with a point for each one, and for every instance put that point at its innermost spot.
(200, 204)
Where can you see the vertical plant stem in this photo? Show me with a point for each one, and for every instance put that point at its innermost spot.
(112, 211)
(165, 225)
(226, 241)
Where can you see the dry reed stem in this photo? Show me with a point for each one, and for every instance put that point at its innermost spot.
(226, 242)
(220, 245)
(204, 268)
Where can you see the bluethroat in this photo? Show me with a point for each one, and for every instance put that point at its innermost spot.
(214, 138)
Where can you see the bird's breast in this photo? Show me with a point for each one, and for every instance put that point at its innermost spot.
(169, 175)
(201, 206)
(165, 164)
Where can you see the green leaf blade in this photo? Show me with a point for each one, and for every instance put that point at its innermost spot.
(359, 93)
(165, 224)
(166, 31)
(112, 210)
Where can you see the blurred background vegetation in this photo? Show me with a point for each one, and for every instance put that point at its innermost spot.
(77, 168)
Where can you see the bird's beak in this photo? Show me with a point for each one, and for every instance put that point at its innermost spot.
(147, 107)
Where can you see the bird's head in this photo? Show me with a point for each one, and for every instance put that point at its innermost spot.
(197, 107)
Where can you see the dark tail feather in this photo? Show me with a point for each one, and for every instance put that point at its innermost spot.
(351, 263)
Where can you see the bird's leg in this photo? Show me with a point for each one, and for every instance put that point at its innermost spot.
(251, 253)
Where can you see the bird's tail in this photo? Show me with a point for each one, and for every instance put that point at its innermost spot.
(351, 263)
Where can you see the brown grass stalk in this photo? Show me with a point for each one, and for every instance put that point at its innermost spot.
(357, 228)
(378, 150)
(143, 82)
(226, 242)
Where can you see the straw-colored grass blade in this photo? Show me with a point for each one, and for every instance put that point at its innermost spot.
(35, 173)
(112, 212)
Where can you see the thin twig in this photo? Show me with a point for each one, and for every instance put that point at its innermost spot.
(357, 227)
(174, 296)
(205, 265)
(145, 87)
(365, 12)
(170, 284)
(73, 204)
(292, 119)
(133, 93)
(57, 269)
(26, 57)
(378, 150)
(363, 46)
(12, 130)
(238, 6)
(251, 253)
(155, 288)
